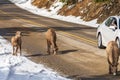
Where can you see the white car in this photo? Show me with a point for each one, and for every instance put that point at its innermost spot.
(108, 32)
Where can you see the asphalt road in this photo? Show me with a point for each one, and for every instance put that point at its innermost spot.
(78, 57)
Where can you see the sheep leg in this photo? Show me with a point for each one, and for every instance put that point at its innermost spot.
(48, 47)
(16, 50)
(110, 69)
(20, 50)
(54, 48)
(13, 50)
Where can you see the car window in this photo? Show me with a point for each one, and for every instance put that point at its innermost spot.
(108, 22)
(111, 22)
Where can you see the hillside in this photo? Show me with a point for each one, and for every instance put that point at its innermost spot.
(87, 9)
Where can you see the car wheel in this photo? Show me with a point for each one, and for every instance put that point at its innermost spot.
(118, 42)
(100, 41)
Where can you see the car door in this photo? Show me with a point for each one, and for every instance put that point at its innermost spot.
(107, 32)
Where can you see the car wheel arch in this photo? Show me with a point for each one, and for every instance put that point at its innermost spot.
(98, 34)
(116, 38)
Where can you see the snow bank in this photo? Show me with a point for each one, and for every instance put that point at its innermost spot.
(21, 68)
(18, 1)
(53, 12)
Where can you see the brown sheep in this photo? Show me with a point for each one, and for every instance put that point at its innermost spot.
(16, 43)
(51, 41)
(112, 56)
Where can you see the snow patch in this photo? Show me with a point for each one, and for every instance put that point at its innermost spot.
(18, 1)
(21, 68)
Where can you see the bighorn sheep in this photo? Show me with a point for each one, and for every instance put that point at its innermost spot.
(112, 56)
(16, 43)
(51, 41)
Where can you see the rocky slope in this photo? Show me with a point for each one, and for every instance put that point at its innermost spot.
(87, 9)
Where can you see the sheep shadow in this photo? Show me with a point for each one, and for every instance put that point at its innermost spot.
(36, 55)
(67, 51)
(99, 77)
(59, 53)
(78, 77)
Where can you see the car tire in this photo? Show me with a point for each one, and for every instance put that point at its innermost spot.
(100, 45)
(118, 42)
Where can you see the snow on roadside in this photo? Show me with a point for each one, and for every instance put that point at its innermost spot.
(53, 12)
(18, 1)
(21, 68)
